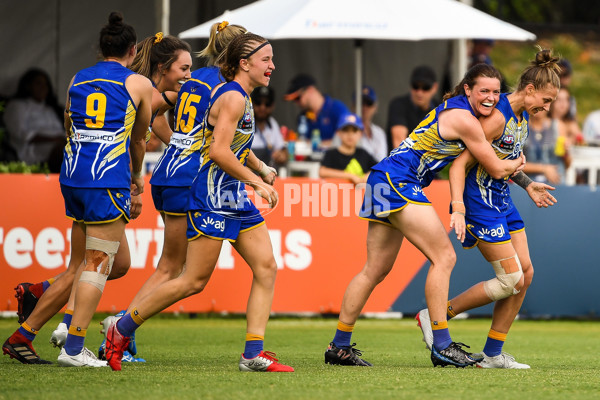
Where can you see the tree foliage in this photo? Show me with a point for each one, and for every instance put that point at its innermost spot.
(582, 12)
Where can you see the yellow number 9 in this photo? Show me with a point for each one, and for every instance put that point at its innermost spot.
(96, 109)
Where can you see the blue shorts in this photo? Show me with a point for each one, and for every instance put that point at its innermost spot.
(171, 200)
(96, 205)
(383, 197)
(495, 230)
(222, 225)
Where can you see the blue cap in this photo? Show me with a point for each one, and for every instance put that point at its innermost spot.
(350, 120)
(368, 95)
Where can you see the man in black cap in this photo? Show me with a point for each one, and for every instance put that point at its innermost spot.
(318, 112)
(407, 111)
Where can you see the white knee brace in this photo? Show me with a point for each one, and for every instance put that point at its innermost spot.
(503, 285)
(96, 278)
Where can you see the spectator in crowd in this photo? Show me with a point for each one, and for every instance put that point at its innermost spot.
(566, 76)
(407, 111)
(543, 165)
(480, 52)
(318, 111)
(373, 139)
(268, 144)
(562, 111)
(348, 161)
(34, 121)
(552, 135)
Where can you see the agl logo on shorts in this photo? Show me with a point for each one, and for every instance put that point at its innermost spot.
(236, 196)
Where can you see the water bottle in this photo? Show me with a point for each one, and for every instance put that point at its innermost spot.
(291, 146)
(303, 128)
(316, 140)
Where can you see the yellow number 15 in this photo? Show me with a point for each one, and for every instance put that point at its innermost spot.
(96, 109)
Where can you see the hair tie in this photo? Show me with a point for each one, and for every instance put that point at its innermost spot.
(222, 26)
(158, 37)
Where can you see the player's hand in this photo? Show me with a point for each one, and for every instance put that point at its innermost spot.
(137, 185)
(270, 178)
(267, 192)
(136, 206)
(267, 173)
(539, 194)
(457, 221)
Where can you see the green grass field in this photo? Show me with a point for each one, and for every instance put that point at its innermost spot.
(197, 359)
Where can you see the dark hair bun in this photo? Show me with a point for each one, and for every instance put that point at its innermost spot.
(115, 18)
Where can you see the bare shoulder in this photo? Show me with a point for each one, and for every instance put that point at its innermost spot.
(455, 122)
(493, 125)
(229, 106)
(138, 82)
(232, 100)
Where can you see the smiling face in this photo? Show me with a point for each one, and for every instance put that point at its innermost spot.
(484, 95)
(260, 66)
(178, 72)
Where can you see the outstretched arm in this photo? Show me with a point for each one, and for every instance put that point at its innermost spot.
(537, 191)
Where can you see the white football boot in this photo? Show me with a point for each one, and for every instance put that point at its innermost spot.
(84, 359)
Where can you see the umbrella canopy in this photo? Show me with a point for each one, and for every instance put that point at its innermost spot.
(410, 20)
(365, 19)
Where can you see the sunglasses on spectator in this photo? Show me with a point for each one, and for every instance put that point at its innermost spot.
(421, 86)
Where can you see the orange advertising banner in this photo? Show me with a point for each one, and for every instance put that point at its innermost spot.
(318, 241)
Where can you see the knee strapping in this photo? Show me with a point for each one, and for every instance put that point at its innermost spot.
(504, 284)
(106, 246)
(94, 278)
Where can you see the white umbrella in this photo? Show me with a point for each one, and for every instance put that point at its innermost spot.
(365, 19)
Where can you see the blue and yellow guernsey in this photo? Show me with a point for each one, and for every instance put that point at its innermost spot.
(179, 163)
(484, 195)
(424, 152)
(102, 114)
(214, 189)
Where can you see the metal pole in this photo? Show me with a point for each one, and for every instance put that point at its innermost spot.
(358, 80)
(460, 53)
(163, 13)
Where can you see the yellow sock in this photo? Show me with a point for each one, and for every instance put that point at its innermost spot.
(136, 317)
(450, 311)
(251, 336)
(345, 327)
(497, 335)
(439, 325)
(76, 331)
